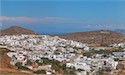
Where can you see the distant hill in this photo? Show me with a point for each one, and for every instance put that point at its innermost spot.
(16, 30)
(93, 37)
(120, 31)
(96, 37)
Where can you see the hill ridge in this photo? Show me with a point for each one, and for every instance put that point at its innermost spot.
(96, 37)
(16, 30)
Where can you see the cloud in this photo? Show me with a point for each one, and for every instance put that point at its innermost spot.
(69, 21)
(107, 26)
(18, 19)
(46, 19)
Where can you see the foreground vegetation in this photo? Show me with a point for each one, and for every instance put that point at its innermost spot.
(3, 51)
(92, 52)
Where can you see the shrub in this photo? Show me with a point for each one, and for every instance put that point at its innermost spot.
(64, 66)
(40, 72)
(3, 51)
(101, 73)
(18, 64)
(29, 62)
(39, 63)
(46, 60)
(104, 45)
(69, 72)
(90, 53)
(57, 52)
(24, 68)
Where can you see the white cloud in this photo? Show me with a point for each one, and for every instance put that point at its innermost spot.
(107, 26)
(46, 19)
(18, 19)
(86, 24)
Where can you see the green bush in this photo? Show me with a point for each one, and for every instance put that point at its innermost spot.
(101, 73)
(69, 72)
(104, 45)
(40, 72)
(39, 63)
(18, 64)
(24, 68)
(57, 52)
(46, 60)
(90, 53)
(3, 51)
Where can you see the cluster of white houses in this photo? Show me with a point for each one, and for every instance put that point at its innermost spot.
(35, 47)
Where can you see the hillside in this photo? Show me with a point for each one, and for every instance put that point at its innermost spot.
(96, 37)
(5, 67)
(15, 30)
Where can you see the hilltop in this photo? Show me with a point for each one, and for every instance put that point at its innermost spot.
(96, 37)
(16, 30)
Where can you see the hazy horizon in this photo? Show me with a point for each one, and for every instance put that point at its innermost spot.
(61, 17)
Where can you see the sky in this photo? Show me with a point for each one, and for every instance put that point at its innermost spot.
(61, 16)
